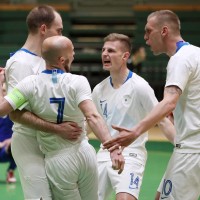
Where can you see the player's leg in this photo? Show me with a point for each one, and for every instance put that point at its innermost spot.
(63, 169)
(127, 185)
(10, 178)
(159, 190)
(30, 163)
(5, 156)
(125, 196)
(105, 187)
(88, 178)
(12, 165)
(181, 180)
(72, 172)
(157, 197)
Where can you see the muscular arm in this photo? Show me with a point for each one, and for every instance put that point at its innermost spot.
(99, 127)
(94, 120)
(67, 130)
(168, 129)
(162, 109)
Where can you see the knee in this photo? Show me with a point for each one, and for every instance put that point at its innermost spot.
(157, 197)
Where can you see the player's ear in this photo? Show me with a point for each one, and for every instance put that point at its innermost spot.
(164, 31)
(43, 28)
(61, 59)
(126, 55)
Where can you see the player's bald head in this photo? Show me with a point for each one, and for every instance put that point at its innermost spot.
(55, 47)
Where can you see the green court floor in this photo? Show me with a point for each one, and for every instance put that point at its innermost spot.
(158, 156)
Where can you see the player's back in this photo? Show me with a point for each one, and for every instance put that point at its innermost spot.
(55, 96)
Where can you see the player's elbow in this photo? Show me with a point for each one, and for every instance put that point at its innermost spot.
(13, 116)
(169, 106)
(92, 118)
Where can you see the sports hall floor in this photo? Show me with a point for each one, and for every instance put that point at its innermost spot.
(159, 151)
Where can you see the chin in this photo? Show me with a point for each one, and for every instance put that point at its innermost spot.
(107, 68)
(157, 53)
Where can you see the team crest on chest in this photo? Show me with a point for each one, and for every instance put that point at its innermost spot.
(126, 100)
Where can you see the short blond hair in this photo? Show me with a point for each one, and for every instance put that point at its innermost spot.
(120, 37)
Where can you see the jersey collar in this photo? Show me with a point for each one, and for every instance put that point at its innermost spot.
(53, 71)
(25, 50)
(181, 44)
(129, 76)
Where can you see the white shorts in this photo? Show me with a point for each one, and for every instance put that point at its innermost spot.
(72, 173)
(182, 177)
(128, 181)
(30, 165)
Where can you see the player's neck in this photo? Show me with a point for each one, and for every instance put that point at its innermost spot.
(119, 77)
(33, 44)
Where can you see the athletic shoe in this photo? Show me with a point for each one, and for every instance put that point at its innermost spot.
(10, 177)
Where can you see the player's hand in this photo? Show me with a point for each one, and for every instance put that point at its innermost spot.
(1, 145)
(2, 75)
(69, 130)
(117, 161)
(6, 143)
(171, 117)
(125, 138)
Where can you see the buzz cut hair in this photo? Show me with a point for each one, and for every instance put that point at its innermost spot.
(167, 17)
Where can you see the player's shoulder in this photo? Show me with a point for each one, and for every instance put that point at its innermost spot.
(188, 54)
(101, 86)
(69, 77)
(187, 51)
(18, 59)
(137, 79)
(30, 78)
(74, 76)
(139, 84)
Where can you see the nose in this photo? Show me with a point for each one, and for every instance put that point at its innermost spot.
(145, 37)
(105, 52)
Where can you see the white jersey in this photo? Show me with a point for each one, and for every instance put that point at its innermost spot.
(125, 107)
(55, 96)
(183, 70)
(22, 64)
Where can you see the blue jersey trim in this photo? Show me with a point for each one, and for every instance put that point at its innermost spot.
(130, 74)
(25, 50)
(180, 44)
(53, 71)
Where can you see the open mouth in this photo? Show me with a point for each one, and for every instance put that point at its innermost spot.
(106, 62)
